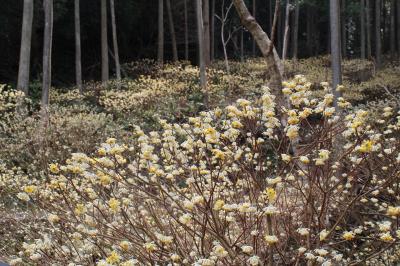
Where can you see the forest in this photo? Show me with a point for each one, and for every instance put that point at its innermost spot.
(200, 132)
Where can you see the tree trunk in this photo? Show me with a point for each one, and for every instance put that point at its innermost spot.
(160, 43)
(25, 52)
(206, 28)
(265, 45)
(286, 36)
(270, 16)
(335, 45)
(78, 57)
(309, 31)
(172, 31)
(392, 27)
(200, 39)
(241, 45)
(378, 42)
(368, 31)
(342, 22)
(362, 26)
(212, 30)
(104, 43)
(115, 43)
(47, 47)
(398, 28)
(295, 31)
(255, 17)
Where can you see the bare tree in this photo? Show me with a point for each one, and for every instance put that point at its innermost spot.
(286, 35)
(47, 48)
(200, 39)
(160, 43)
(104, 43)
(368, 31)
(392, 27)
(254, 11)
(295, 32)
(206, 28)
(362, 26)
(378, 41)
(398, 27)
(172, 31)
(186, 30)
(342, 21)
(25, 52)
(115, 42)
(78, 57)
(212, 44)
(265, 44)
(334, 10)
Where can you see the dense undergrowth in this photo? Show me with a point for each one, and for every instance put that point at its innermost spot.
(235, 186)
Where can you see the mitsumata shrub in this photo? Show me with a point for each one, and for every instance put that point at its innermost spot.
(233, 186)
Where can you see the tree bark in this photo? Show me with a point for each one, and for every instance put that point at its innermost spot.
(47, 48)
(255, 17)
(265, 45)
(115, 42)
(335, 46)
(342, 22)
(104, 43)
(160, 43)
(200, 39)
(392, 27)
(212, 44)
(378, 42)
(78, 51)
(286, 35)
(295, 31)
(398, 28)
(241, 45)
(362, 26)
(368, 31)
(206, 28)
(186, 30)
(25, 52)
(172, 31)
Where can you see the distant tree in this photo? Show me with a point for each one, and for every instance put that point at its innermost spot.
(78, 57)
(47, 49)
(104, 43)
(172, 31)
(287, 29)
(254, 13)
(368, 31)
(378, 40)
(206, 28)
(200, 40)
(223, 18)
(212, 41)
(342, 22)
(160, 43)
(334, 9)
(115, 42)
(392, 27)
(186, 30)
(25, 51)
(362, 27)
(398, 27)
(295, 32)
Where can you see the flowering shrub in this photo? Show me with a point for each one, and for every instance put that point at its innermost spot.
(232, 186)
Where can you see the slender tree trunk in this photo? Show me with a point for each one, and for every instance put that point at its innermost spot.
(115, 43)
(78, 57)
(212, 30)
(368, 31)
(206, 28)
(295, 31)
(104, 43)
(47, 48)
(160, 43)
(335, 45)
(286, 36)
(378, 41)
(343, 29)
(280, 32)
(186, 30)
(254, 13)
(266, 47)
(362, 25)
(398, 28)
(241, 45)
(200, 39)
(172, 31)
(25, 52)
(270, 17)
(392, 27)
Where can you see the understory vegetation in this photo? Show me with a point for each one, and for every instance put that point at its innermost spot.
(153, 171)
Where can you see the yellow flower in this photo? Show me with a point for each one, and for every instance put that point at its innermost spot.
(125, 245)
(114, 204)
(30, 189)
(113, 258)
(348, 236)
(80, 209)
(387, 237)
(393, 211)
(104, 179)
(366, 146)
(150, 247)
(237, 124)
(292, 132)
(218, 154)
(54, 168)
(219, 204)
(270, 239)
(102, 151)
(271, 194)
